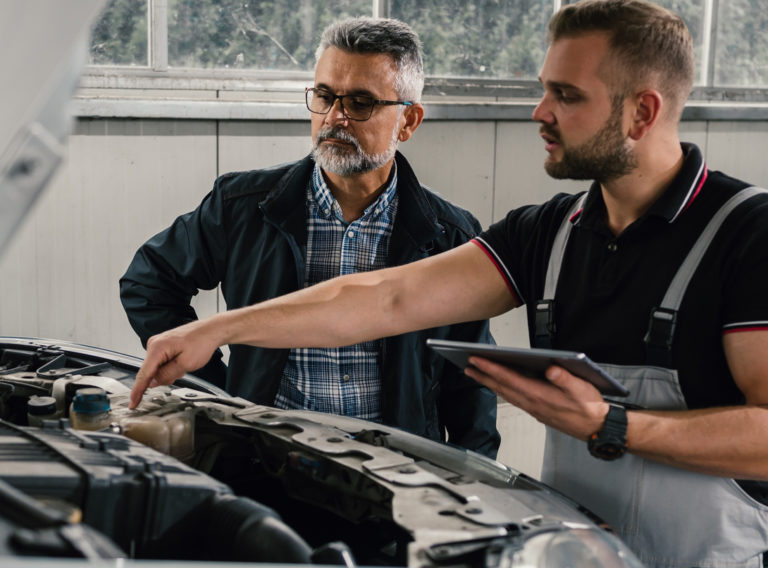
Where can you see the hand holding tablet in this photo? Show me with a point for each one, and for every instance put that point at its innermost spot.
(531, 362)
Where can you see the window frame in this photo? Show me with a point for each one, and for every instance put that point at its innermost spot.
(131, 91)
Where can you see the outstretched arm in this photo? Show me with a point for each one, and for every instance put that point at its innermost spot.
(459, 285)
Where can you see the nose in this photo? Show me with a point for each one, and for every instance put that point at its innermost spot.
(542, 112)
(336, 113)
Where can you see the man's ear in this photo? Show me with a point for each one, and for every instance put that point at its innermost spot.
(647, 108)
(413, 115)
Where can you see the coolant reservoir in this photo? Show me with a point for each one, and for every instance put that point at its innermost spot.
(90, 409)
(171, 434)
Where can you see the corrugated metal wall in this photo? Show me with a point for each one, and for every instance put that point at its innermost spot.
(124, 180)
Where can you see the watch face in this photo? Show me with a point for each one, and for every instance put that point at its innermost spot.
(606, 450)
(610, 442)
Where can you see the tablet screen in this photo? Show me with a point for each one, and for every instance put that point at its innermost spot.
(531, 362)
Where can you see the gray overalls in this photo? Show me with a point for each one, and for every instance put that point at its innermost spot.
(669, 517)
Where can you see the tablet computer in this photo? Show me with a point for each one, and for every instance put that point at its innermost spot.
(530, 362)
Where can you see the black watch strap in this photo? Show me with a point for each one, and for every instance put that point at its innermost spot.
(610, 442)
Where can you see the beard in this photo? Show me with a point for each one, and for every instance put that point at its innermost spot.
(344, 161)
(604, 157)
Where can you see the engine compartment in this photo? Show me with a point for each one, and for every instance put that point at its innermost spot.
(194, 474)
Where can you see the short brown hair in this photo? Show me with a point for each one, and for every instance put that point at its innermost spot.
(649, 43)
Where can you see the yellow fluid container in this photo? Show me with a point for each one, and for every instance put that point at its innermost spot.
(170, 434)
(90, 409)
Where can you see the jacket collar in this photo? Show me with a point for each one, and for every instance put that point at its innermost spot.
(284, 204)
(416, 220)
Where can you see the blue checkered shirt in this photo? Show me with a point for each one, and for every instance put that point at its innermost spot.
(344, 380)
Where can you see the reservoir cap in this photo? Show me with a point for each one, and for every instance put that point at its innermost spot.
(90, 401)
(41, 405)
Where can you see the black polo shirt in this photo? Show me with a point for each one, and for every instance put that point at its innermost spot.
(608, 285)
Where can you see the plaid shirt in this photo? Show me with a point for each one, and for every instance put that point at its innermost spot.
(344, 380)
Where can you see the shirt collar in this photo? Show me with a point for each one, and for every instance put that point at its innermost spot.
(329, 206)
(676, 198)
(684, 188)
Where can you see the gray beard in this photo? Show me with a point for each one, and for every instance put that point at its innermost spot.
(344, 162)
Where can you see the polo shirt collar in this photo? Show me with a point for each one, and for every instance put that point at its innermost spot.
(677, 198)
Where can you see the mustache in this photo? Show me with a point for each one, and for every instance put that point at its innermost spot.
(544, 129)
(337, 133)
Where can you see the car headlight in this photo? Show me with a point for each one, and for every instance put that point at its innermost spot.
(570, 548)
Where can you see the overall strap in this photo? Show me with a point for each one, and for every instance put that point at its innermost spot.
(661, 327)
(544, 323)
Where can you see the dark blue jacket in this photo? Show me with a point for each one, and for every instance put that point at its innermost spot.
(250, 235)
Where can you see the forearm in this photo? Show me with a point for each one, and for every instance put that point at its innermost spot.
(370, 305)
(727, 442)
(456, 286)
(334, 313)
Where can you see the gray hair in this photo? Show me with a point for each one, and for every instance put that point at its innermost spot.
(381, 35)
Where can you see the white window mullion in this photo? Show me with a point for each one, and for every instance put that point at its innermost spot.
(158, 33)
(381, 8)
(708, 41)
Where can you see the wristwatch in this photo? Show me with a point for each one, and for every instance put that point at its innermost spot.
(610, 442)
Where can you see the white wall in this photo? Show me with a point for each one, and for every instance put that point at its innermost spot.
(124, 180)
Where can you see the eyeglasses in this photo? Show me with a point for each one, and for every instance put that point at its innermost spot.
(354, 107)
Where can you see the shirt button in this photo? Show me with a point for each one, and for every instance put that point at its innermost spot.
(350, 234)
(345, 378)
(613, 247)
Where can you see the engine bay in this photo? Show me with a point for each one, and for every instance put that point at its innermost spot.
(195, 474)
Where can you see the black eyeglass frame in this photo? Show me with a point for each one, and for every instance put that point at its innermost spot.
(333, 96)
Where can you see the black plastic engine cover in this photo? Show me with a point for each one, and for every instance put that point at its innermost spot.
(145, 501)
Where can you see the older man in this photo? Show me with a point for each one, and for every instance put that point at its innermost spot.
(354, 205)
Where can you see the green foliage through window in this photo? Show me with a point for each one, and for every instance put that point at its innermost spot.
(498, 39)
(231, 34)
(486, 38)
(119, 37)
(741, 48)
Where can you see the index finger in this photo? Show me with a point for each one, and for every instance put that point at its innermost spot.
(144, 377)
